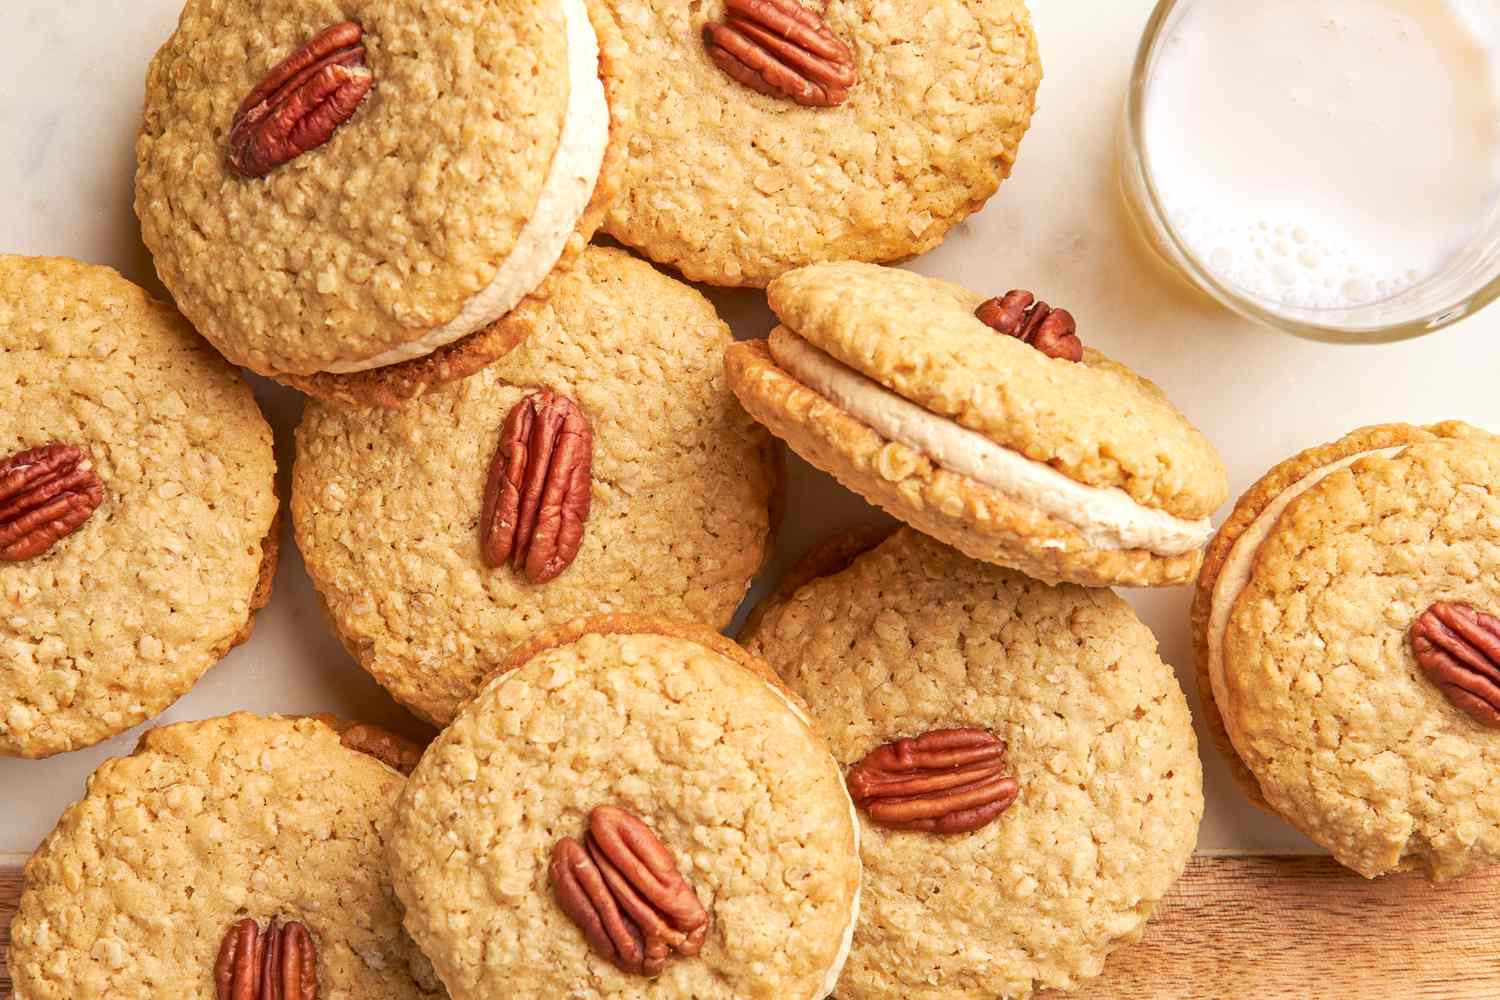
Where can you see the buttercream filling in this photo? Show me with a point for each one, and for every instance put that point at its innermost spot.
(1239, 565)
(564, 198)
(1106, 517)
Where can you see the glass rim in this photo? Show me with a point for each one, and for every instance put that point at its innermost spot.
(1143, 197)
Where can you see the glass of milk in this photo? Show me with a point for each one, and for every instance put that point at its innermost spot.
(1328, 167)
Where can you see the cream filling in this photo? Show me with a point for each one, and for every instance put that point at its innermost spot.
(1235, 574)
(842, 958)
(1107, 518)
(564, 198)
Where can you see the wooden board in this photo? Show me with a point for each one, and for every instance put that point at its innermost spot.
(1269, 929)
(10, 893)
(1307, 929)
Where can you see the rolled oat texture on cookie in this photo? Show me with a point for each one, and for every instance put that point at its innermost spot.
(1024, 764)
(401, 514)
(771, 134)
(232, 828)
(138, 511)
(630, 807)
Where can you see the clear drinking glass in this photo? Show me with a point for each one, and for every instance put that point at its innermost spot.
(1469, 280)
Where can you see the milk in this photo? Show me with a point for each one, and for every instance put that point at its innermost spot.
(1326, 154)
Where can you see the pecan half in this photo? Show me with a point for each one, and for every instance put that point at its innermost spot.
(45, 495)
(623, 890)
(1458, 648)
(1018, 314)
(301, 102)
(279, 963)
(946, 781)
(537, 497)
(782, 49)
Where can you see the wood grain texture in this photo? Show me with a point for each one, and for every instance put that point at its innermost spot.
(1268, 929)
(10, 893)
(1306, 929)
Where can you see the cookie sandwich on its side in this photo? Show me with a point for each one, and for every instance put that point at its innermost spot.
(1347, 628)
(984, 423)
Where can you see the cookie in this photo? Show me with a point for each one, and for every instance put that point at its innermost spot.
(1078, 471)
(654, 734)
(205, 825)
(1305, 626)
(138, 508)
(388, 504)
(733, 186)
(361, 228)
(1083, 808)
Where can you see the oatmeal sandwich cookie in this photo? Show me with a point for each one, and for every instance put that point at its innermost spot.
(350, 197)
(775, 133)
(601, 467)
(1023, 762)
(138, 528)
(630, 808)
(984, 423)
(217, 855)
(1347, 627)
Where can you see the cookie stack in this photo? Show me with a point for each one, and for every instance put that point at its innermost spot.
(536, 478)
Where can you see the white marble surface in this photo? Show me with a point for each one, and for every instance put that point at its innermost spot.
(71, 75)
